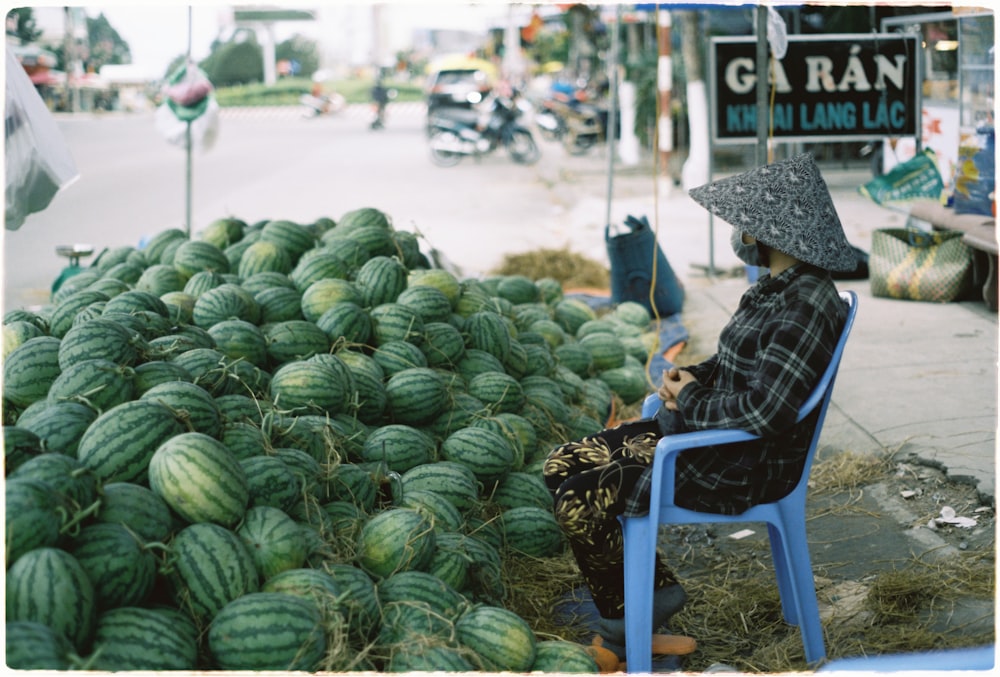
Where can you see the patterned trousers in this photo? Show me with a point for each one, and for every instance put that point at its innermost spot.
(591, 480)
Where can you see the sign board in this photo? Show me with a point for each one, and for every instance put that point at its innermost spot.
(826, 88)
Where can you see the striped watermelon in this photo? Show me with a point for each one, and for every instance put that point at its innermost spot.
(381, 279)
(399, 446)
(318, 264)
(193, 256)
(431, 303)
(628, 382)
(450, 562)
(136, 507)
(147, 639)
(442, 345)
(211, 567)
(416, 396)
(324, 294)
(606, 351)
(503, 640)
(65, 475)
(268, 631)
(259, 282)
(261, 257)
(134, 301)
(359, 600)
(488, 454)
(395, 322)
(518, 289)
(226, 302)
(243, 439)
(239, 339)
(464, 411)
(532, 531)
(499, 391)
(313, 584)
(519, 489)
(190, 403)
(273, 539)
(157, 244)
(309, 386)
(428, 658)
(200, 478)
(437, 508)
(346, 323)
(33, 517)
(574, 357)
(159, 279)
(279, 304)
(224, 231)
(294, 238)
(571, 313)
(17, 332)
(362, 217)
(354, 484)
(180, 307)
(117, 562)
(48, 586)
(31, 369)
(35, 646)
(406, 623)
(454, 481)
(476, 362)
(557, 655)
(422, 587)
(272, 482)
(61, 317)
(551, 331)
(58, 425)
(438, 278)
(119, 444)
(397, 539)
(19, 446)
(395, 356)
(489, 332)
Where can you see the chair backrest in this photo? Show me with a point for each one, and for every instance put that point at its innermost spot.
(821, 394)
(824, 388)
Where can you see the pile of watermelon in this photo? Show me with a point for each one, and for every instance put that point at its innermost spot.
(280, 446)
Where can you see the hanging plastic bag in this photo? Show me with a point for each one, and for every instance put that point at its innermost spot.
(188, 100)
(917, 178)
(38, 161)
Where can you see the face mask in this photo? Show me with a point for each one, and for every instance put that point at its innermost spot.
(747, 253)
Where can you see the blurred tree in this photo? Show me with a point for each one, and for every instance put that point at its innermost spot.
(21, 24)
(302, 50)
(238, 61)
(106, 46)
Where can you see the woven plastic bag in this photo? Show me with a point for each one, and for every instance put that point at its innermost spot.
(911, 264)
(635, 276)
(38, 161)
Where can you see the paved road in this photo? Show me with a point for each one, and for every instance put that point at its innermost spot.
(275, 164)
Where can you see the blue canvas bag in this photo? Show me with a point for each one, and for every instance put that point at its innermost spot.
(631, 255)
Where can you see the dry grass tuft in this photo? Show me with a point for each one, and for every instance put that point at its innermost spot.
(573, 270)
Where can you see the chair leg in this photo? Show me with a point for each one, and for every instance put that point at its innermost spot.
(800, 578)
(640, 558)
(786, 589)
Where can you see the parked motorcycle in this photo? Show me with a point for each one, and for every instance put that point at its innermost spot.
(325, 104)
(456, 133)
(579, 126)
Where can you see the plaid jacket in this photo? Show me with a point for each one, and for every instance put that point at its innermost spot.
(770, 356)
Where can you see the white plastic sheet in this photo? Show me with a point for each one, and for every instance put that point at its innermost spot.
(38, 161)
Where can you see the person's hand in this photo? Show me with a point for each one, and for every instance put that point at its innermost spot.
(674, 380)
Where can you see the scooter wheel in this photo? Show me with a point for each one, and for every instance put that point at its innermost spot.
(444, 158)
(522, 148)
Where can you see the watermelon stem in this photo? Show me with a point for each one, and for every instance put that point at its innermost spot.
(72, 525)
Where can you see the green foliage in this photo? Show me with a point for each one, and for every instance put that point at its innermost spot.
(25, 28)
(300, 49)
(235, 63)
(286, 92)
(106, 46)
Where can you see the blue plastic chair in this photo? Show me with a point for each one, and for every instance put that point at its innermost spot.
(785, 518)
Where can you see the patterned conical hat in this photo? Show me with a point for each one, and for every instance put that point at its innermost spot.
(786, 206)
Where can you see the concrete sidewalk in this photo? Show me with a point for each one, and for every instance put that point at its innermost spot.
(918, 379)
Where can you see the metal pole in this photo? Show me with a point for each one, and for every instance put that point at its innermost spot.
(612, 118)
(762, 78)
(187, 137)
